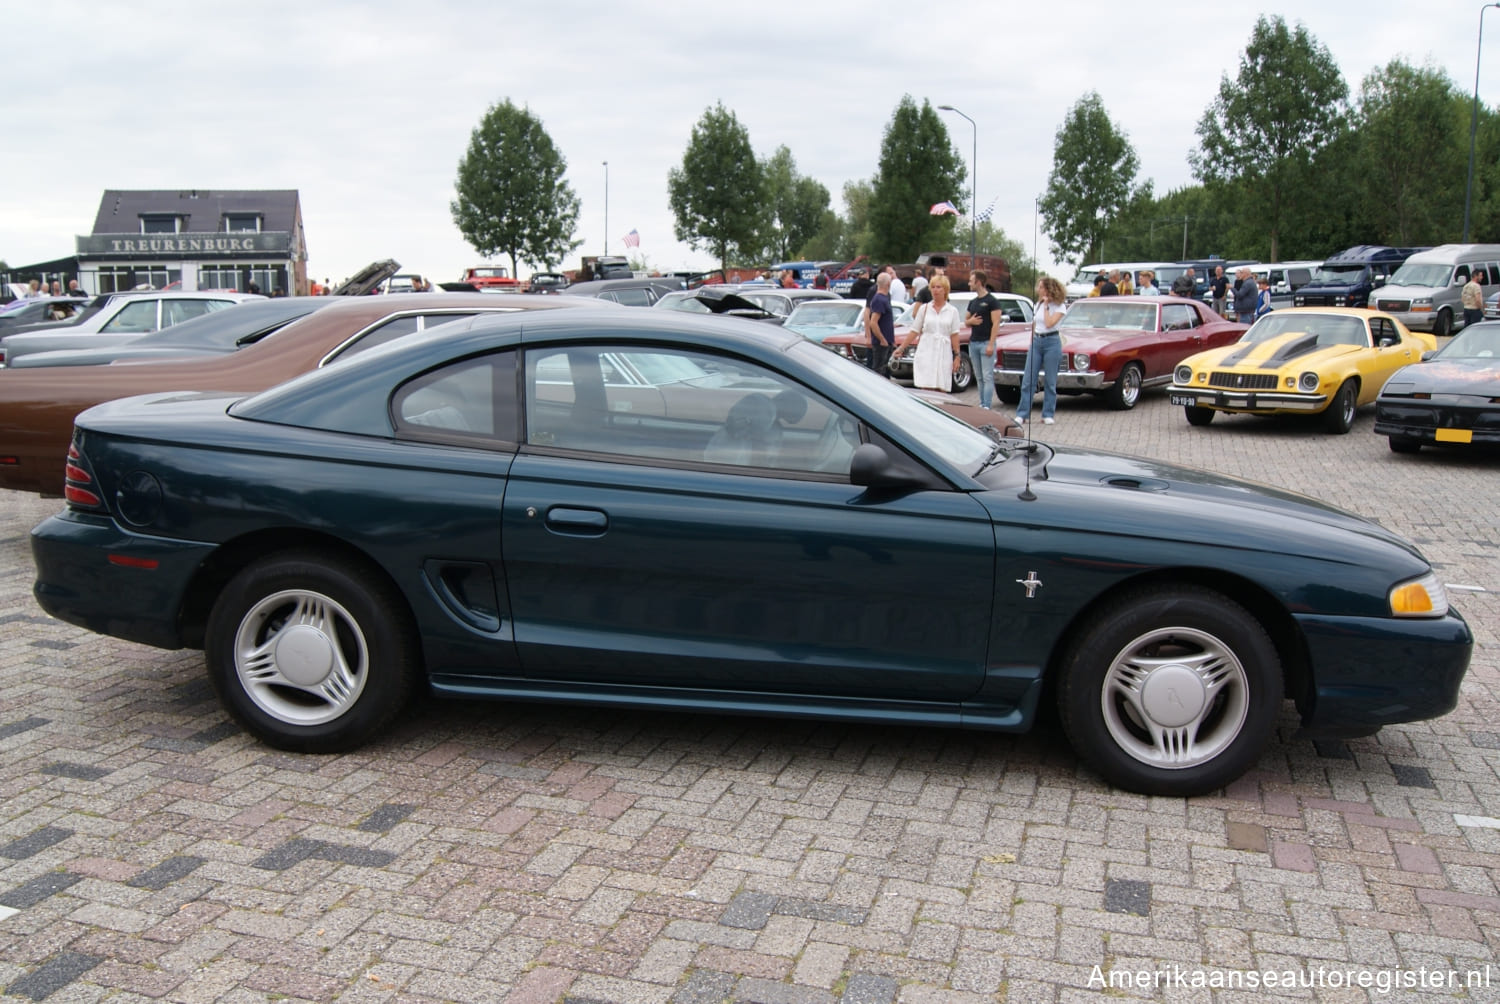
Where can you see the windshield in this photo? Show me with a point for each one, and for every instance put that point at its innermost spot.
(1422, 275)
(491, 273)
(828, 314)
(1085, 277)
(1329, 329)
(1338, 275)
(1478, 341)
(956, 442)
(1112, 314)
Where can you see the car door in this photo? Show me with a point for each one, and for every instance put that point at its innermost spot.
(1385, 359)
(709, 539)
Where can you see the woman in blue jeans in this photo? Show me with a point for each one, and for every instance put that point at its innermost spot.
(1045, 353)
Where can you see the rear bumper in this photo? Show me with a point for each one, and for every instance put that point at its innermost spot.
(1368, 672)
(77, 582)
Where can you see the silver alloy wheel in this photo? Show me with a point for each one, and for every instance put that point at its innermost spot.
(301, 657)
(1347, 407)
(1130, 377)
(1175, 697)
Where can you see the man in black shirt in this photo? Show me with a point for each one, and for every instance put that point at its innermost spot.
(982, 320)
(1219, 285)
(862, 288)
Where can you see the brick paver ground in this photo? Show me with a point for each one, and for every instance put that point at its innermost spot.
(150, 851)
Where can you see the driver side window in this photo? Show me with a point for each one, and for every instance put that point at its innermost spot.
(682, 407)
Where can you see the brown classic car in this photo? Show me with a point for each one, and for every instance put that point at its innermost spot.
(1114, 346)
(37, 406)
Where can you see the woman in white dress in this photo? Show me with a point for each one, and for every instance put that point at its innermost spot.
(935, 327)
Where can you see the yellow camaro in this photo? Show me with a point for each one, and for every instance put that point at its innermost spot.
(1308, 360)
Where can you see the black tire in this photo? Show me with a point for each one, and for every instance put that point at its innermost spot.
(964, 378)
(1403, 444)
(1198, 416)
(351, 660)
(1195, 665)
(1127, 389)
(1008, 395)
(1338, 418)
(1442, 324)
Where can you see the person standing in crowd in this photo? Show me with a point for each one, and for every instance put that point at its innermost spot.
(1472, 298)
(863, 287)
(935, 327)
(788, 281)
(898, 288)
(821, 282)
(1099, 281)
(1245, 295)
(1147, 285)
(1263, 297)
(983, 319)
(1123, 283)
(919, 290)
(880, 326)
(1045, 353)
(33, 288)
(74, 289)
(1111, 285)
(1185, 284)
(1219, 286)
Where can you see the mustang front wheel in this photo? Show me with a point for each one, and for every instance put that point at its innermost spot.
(309, 653)
(1173, 691)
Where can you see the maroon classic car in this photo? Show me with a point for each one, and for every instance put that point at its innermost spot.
(1114, 346)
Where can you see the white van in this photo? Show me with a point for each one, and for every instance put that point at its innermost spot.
(1424, 292)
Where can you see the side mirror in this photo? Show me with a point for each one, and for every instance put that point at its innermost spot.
(1388, 341)
(1428, 354)
(872, 467)
(1379, 281)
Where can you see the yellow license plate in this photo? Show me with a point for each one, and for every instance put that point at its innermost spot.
(1455, 435)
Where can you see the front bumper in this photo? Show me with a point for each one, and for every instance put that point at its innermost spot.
(1443, 419)
(1066, 379)
(77, 582)
(1223, 399)
(1368, 672)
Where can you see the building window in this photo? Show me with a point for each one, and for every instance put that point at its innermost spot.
(120, 278)
(241, 223)
(161, 224)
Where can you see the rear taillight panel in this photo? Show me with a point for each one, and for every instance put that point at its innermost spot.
(79, 488)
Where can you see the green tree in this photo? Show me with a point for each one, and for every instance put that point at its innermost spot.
(1093, 173)
(794, 205)
(918, 167)
(992, 239)
(716, 195)
(512, 197)
(1266, 127)
(1413, 127)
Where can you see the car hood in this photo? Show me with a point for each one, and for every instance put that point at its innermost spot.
(1448, 376)
(368, 278)
(1272, 354)
(1161, 500)
(722, 301)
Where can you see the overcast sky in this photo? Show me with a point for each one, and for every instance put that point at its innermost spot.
(366, 108)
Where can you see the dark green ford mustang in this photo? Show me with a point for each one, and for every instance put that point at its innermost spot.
(650, 509)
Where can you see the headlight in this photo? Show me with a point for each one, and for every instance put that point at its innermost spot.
(1081, 361)
(1423, 301)
(1299, 301)
(1308, 382)
(1424, 597)
(1184, 375)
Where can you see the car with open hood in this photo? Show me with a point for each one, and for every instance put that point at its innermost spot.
(1323, 361)
(1115, 347)
(1451, 398)
(647, 509)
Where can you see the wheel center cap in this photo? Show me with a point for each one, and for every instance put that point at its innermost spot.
(304, 656)
(1173, 696)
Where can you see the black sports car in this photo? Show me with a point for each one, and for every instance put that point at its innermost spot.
(1452, 396)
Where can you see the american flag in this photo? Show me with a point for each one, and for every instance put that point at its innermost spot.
(942, 208)
(632, 239)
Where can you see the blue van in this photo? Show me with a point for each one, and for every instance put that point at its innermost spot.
(1349, 277)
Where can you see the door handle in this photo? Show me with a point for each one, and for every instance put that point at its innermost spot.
(584, 522)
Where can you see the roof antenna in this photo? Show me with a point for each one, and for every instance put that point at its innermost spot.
(1026, 494)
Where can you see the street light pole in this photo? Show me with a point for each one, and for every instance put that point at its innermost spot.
(1474, 120)
(974, 197)
(606, 207)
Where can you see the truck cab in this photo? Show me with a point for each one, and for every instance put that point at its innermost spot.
(1349, 278)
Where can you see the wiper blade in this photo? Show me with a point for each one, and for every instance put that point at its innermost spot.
(995, 452)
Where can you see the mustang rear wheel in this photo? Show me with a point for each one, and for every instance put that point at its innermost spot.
(309, 653)
(1198, 416)
(1172, 691)
(1339, 418)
